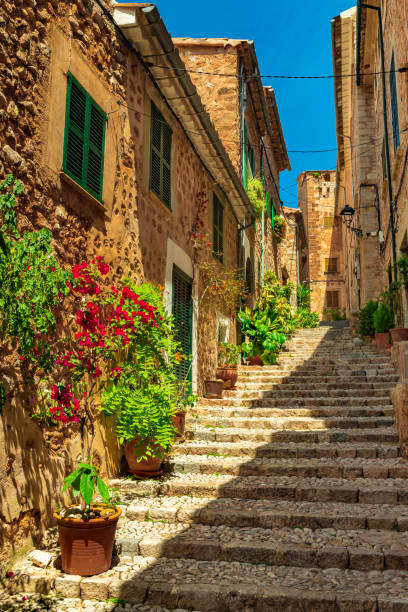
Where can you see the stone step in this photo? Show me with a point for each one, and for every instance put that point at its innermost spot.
(270, 402)
(364, 550)
(226, 412)
(359, 490)
(301, 468)
(341, 394)
(291, 423)
(322, 386)
(286, 450)
(378, 435)
(297, 379)
(221, 585)
(262, 513)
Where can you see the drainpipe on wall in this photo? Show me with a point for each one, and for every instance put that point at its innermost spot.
(385, 115)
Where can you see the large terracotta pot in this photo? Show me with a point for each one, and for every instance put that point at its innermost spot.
(399, 334)
(256, 361)
(229, 375)
(382, 340)
(179, 422)
(146, 468)
(213, 389)
(86, 546)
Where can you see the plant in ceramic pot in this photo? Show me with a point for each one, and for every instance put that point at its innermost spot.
(87, 530)
(366, 329)
(383, 322)
(228, 358)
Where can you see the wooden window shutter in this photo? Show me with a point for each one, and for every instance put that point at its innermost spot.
(330, 264)
(332, 299)
(218, 228)
(160, 156)
(84, 144)
(183, 320)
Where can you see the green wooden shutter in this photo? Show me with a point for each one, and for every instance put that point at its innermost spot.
(245, 168)
(84, 143)
(218, 228)
(183, 320)
(160, 157)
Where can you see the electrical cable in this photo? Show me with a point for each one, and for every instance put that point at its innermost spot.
(278, 76)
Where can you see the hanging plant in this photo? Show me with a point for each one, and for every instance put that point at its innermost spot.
(256, 195)
(279, 228)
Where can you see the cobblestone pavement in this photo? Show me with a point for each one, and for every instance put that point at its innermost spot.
(289, 494)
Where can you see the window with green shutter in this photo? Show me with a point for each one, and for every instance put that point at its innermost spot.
(160, 157)
(84, 141)
(182, 311)
(218, 229)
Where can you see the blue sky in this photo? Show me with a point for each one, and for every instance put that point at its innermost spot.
(290, 38)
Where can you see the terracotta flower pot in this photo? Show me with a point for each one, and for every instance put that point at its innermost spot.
(229, 374)
(383, 340)
(86, 546)
(146, 468)
(399, 334)
(213, 389)
(179, 422)
(256, 361)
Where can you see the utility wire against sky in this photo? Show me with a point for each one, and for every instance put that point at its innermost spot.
(278, 76)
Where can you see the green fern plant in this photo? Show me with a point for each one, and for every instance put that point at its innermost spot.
(256, 194)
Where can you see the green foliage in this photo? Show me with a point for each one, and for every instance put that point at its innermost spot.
(84, 482)
(383, 318)
(228, 354)
(366, 317)
(303, 295)
(31, 280)
(148, 393)
(279, 228)
(262, 329)
(306, 318)
(402, 264)
(256, 195)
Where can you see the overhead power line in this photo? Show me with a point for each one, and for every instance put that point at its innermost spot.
(277, 76)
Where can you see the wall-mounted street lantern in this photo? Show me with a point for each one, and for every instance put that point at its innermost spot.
(347, 213)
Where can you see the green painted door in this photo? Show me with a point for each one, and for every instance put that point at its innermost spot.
(183, 319)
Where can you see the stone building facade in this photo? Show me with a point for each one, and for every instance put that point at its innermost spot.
(57, 53)
(364, 175)
(247, 119)
(293, 247)
(325, 264)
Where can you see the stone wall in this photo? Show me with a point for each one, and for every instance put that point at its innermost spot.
(131, 229)
(324, 237)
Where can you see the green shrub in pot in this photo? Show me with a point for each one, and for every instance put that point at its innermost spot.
(383, 319)
(366, 316)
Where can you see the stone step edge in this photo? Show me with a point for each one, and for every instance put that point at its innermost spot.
(268, 553)
(207, 596)
(313, 468)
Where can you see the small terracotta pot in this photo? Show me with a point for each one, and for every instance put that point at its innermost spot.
(86, 546)
(256, 361)
(213, 389)
(383, 340)
(146, 468)
(179, 422)
(229, 375)
(399, 334)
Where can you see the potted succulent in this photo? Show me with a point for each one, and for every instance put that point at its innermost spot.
(383, 322)
(87, 530)
(228, 357)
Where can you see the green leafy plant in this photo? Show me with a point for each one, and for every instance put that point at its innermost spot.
(383, 319)
(84, 483)
(306, 318)
(256, 195)
(303, 296)
(228, 354)
(279, 228)
(366, 318)
(402, 264)
(262, 329)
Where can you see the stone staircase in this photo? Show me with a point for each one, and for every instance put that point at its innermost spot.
(288, 495)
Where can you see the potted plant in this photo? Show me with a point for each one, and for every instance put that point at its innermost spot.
(366, 329)
(145, 396)
(383, 322)
(228, 357)
(87, 530)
